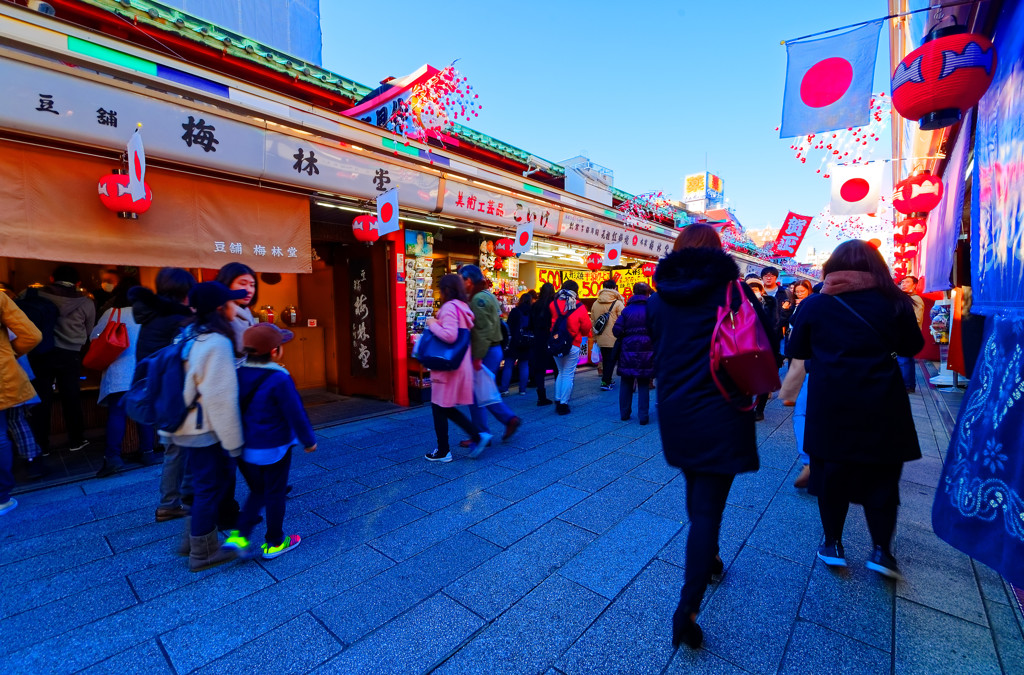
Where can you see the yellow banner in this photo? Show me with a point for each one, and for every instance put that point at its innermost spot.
(589, 282)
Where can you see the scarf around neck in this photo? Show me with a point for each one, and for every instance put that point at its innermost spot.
(569, 298)
(848, 281)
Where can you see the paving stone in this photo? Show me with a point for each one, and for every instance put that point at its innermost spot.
(125, 539)
(371, 500)
(916, 505)
(765, 590)
(813, 649)
(538, 454)
(413, 643)
(459, 488)
(854, 602)
(737, 524)
(1008, 635)
(670, 501)
(656, 470)
(295, 647)
(755, 490)
(142, 659)
(778, 453)
(329, 492)
(203, 639)
(937, 575)
(392, 473)
(790, 528)
(935, 643)
(498, 583)
(993, 588)
(614, 558)
(925, 471)
(22, 524)
(512, 524)
(531, 634)
(701, 662)
(423, 533)
(123, 481)
(378, 600)
(54, 562)
(524, 484)
(603, 471)
(602, 510)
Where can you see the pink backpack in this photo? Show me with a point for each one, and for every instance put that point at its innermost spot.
(740, 347)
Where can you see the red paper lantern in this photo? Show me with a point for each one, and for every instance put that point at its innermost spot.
(910, 231)
(503, 248)
(875, 243)
(649, 269)
(918, 194)
(595, 261)
(942, 78)
(365, 228)
(113, 190)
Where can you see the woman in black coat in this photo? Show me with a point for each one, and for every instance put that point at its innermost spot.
(859, 428)
(540, 323)
(709, 438)
(636, 355)
(520, 345)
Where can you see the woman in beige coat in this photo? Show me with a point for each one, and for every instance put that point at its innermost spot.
(15, 387)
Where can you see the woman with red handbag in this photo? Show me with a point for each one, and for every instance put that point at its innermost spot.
(706, 431)
(113, 341)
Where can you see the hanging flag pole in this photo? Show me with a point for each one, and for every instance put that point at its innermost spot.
(884, 18)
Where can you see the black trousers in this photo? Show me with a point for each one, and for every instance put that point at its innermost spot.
(268, 488)
(441, 418)
(63, 367)
(877, 488)
(538, 370)
(609, 355)
(705, 503)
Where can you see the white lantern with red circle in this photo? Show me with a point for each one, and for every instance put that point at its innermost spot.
(365, 228)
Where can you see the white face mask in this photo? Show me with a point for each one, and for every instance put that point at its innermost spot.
(109, 288)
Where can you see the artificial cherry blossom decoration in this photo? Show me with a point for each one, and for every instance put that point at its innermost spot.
(853, 145)
(435, 106)
(640, 210)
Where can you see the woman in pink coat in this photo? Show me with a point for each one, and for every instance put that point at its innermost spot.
(450, 388)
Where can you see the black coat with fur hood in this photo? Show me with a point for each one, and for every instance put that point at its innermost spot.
(161, 320)
(700, 430)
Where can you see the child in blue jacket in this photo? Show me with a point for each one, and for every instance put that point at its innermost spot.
(274, 422)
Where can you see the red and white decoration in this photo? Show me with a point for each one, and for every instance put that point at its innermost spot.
(910, 231)
(594, 262)
(649, 269)
(791, 234)
(918, 194)
(128, 194)
(503, 248)
(524, 238)
(856, 189)
(639, 210)
(137, 167)
(613, 254)
(387, 212)
(365, 228)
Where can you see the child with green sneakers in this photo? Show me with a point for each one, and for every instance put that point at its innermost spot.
(274, 422)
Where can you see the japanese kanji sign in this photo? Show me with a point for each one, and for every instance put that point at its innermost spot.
(590, 231)
(791, 234)
(364, 357)
(498, 208)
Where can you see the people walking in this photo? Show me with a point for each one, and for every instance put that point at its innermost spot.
(770, 307)
(486, 347)
(161, 317)
(636, 360)
(15, 387)
(603, 316)
(451, 388)
(212, 430)
(570, 322)
(517, 356)
(540, 322)
(852, 332)
(117, 380)
(908, 285)
(240, 277)
(275, 423)
(719, 439)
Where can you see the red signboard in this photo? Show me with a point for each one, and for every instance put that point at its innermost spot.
(791, 234)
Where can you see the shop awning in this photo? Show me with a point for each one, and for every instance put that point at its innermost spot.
(50, 210)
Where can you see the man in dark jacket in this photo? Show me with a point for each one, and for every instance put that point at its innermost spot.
(784, 303)
(636, 358)
(771, 309)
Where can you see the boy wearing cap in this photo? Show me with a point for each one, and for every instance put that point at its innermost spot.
(274, 422)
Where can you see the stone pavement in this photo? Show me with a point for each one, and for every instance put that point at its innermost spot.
(561, 551)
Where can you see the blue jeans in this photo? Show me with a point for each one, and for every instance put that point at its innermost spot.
(799, 421)
(6, 460)
(504, 414)
(566, 367)
(212, 472)
(117, 422)
(506, 372)
(908, 369)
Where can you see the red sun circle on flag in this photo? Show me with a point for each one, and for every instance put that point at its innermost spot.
(386, 212)
(524, 238)
(854, 190)
(826, 82)
(613, 254)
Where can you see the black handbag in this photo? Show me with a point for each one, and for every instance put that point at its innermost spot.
(436, 354)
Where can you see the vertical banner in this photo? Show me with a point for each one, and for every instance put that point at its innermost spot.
(791, 234)
(387, 212)
(364, 358)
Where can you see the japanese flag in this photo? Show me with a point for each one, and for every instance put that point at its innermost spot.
(524, 239)
(613, 254)
(856, 188)
(387, 212)
(136, 168)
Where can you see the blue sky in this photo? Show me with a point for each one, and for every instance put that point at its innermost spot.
(647, 89)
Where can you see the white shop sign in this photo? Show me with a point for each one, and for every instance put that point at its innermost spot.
(496, 208)
(589, 231)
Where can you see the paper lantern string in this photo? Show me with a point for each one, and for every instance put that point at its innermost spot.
(640, 210)
(853, 145)
(434, 106)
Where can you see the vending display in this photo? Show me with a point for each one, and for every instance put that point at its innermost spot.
(419, 293)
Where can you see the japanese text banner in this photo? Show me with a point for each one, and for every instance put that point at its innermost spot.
(791, 234)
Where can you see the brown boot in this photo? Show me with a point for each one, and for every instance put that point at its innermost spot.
(804, 477)
(206, 552)
(185, 544)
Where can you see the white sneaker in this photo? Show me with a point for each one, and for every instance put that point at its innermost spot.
(9, 505)
(435, 457)
(481, 446)
(80, 446)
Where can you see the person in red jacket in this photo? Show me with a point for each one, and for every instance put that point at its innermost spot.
(578, 322)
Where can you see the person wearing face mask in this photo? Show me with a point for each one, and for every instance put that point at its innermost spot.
(769, 304)
(110, 278)
(240, 277)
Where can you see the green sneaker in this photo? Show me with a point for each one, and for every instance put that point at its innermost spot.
(236, 540)
(289, 542)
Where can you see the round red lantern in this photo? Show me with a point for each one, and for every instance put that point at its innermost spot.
(113, 190)
(946, 75)
(918, 194)
(595, 261)
(649, 269)
(365, 228)
(910, 231)
(503, 248)
(875, 243)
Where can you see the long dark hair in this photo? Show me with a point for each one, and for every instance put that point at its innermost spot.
(698, 235)
(174, 283)
(525, 300)
(213, 322)
(860, 256)
(547, 294)
(451, 288)
(227, 274)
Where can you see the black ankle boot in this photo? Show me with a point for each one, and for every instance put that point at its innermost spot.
(685, 630)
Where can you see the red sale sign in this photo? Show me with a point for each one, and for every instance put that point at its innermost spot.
(791, 234)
